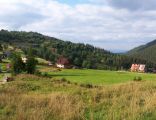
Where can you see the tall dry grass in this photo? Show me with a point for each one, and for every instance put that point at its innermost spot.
(54, 106)
(131, 101)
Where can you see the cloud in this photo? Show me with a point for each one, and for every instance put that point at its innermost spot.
(16, 14)
(134, 4)
(110, 25)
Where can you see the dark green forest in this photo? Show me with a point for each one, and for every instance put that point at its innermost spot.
(79, 55)
(147, 51)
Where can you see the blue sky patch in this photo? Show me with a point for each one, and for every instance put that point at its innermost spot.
(73, 2)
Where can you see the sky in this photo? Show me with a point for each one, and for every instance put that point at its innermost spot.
(115, 25)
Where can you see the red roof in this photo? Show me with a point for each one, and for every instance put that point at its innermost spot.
(63, 61)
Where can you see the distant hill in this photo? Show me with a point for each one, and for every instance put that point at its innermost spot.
(147, 52)
(80, 55)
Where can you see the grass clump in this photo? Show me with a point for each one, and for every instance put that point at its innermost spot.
(87, 85)
(137, 78)
(28, 87)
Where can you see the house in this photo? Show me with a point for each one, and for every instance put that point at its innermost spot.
(138, 68)
(134, 67)
(49, 63)
(24, 59)
(63, 62)
(142, 68)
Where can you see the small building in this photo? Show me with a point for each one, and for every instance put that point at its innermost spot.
(49, 63)
(63, 62)
(138, 68)
(142, 68)
(24, 59)
(134, 68)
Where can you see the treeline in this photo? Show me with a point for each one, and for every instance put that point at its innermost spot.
(79, 55)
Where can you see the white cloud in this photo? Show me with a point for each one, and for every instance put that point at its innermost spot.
(101, 25)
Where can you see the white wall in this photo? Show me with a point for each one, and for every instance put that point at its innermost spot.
(60, 66)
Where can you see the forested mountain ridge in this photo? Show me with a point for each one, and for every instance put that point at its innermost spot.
(147, 51)
(80, 55)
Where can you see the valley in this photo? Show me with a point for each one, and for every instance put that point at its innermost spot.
(96, 85)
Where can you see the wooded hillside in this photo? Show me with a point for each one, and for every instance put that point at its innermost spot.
(147, 52)
(80, 55)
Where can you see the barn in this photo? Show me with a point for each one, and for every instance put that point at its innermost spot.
(63, 62)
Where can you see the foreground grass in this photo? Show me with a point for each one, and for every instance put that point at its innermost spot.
(36, 98)
(98, 77)
(1, 77)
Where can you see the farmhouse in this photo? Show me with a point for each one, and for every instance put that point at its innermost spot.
(138, 68)
(62, 62)
(24, 59)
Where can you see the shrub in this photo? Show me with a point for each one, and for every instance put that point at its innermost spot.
(45, 74)
(137, 78)
(87, 85)
(63, 80)
(38, 73)
(68, 82)
(75, 83)
(31, 65)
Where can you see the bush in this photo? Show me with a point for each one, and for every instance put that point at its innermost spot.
(45, 74)
(87, 85)
(31, 65)
(38, 73)
(63, 80)
(137, 78)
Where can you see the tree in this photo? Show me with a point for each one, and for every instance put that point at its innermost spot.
(31, 63)
(17, 64)
(77, 62)
(1, 47)
(86, 64)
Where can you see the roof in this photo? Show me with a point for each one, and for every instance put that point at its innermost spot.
(63, 61)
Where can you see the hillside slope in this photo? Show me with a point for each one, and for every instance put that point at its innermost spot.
(147, 52)
(80, 55)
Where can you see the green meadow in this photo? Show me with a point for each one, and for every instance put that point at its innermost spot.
(31, 97)
(98, 77)
(74, 94)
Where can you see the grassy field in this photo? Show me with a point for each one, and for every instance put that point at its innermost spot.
(31, 97)
(98, 77)
(79, 95)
